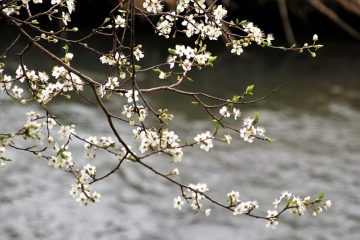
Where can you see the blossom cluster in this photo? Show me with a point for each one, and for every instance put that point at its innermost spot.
(39, 82)
(194, 195)
(225, 112)
(297, 206)
(59, 156)
(81, 191)
(254, 34)
(238, 206)
(249, 132)
(187, 57)
(205, 140)
(63, 159)
(67, 10)
(165, 141)
(193, 18)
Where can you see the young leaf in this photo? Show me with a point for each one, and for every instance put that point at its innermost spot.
(256, 117)
(172, 51)
(249, 90)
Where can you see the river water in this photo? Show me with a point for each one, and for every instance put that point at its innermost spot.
(314, 117)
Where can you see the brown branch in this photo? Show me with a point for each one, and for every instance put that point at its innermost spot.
(286, 22)
(319, 5)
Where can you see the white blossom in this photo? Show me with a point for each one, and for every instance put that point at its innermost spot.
(106, 142)
(91, 142)
(273, 219)
(112, 83)
(138, 54)
(132, 95)
(219, 13)
(66, 131)
(174, 172)
(178, 202)
(186, 65)
(237, 113)
(164, 28)
(90, 169)
(142, 111)
(245, 207)
(182, 5)
(2, 150)
(65, 18)
(248, 134)
(17, 91)
(233, 196)
(207, 212)
(228, 138)
(6, 83)
(153, 6)
(327, 205)
(206, 140)
(171, 61)
(127, 111)
(237, 49)
(315, 37)
(43, 76)
(224, 112)
(120, 21)
(70, 5)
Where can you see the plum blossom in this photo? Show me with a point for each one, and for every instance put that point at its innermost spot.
(178, 202)
(237, 113)
(153, 6)
(66, 131)
(219, 13)
(237, 49)
(120, 21)
(224, 111)
(205, 140)
(233, 197)
(17, 91)
(245, 207)
(132, 95)
(138, 54)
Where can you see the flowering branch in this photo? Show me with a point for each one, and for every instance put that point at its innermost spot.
(199, 20)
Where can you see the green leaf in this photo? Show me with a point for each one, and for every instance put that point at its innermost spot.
(212, 59)
(172, 51)
(256, 117)
(130, 158)
(270, 139)
(34, 21)
(106, 20)
(243, 22)
(157, 70)
(320, 197)
(3, 137)
(66, 48)
(250, 90)
(61, 154)
(318, 46)
(236, 98)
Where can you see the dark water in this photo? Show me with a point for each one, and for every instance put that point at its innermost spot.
(315, 118)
